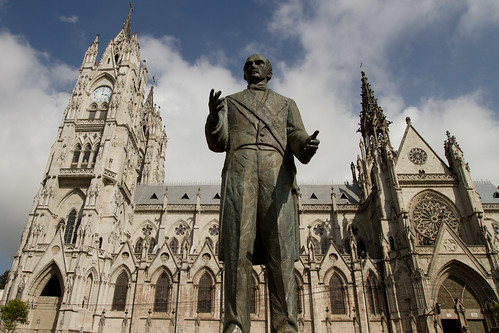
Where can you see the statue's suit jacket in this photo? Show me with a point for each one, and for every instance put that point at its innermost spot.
(245, 122)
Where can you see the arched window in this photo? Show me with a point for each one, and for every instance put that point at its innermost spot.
(317, 246)
(253, 297)
(162, 294)
(88, 291)
(76, 157)
(71, 230)
(152, 244)
(103, 112)
(372, 295)
(120, 292)
(86, 156)
(174, 245)
(205, 294)
(75, 232)
(299, 305)
(94, 157)
(92, 111)
(336, 295)
(139, 246)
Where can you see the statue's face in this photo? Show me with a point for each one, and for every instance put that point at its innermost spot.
(255, 69)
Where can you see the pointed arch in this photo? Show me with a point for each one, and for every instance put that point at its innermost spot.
(87, 294)
(120, 292)
(299, 292)
(51, 272)
(174, 246)
(71, 228)
(162, 292)
(204, 286)
(461, 273)
(316, 245)
(254, 301)
(47, 290)
(337, 293)
(95, 154)
(103, 111)
(139, 246)
(76, 156)
(86, 156)
(372, 294)
(205, 294)
(92, 110)
(152, 244)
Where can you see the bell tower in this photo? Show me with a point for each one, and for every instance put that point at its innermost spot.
(111, 138)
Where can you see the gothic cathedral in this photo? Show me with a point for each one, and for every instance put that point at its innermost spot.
(408, 245)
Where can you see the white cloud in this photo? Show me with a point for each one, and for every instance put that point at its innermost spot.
(182, 92)
(31, 111)
(479, 15)
(336, 37)
(69, 19)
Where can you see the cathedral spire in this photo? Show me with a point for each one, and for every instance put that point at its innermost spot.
(150, 97)
(373, 123)
(90, 56)
(124, 33)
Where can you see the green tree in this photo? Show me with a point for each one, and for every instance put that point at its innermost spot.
(495, 309)
(3, 279)
(13, 313)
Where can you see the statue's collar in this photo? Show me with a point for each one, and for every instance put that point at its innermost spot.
(262, 86)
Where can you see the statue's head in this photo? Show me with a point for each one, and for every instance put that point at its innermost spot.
(257, 68)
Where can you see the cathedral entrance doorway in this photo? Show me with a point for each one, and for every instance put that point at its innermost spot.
(450, 326)
(460, 308)
(46, 309)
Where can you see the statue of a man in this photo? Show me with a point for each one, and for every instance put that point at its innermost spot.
(260, 131)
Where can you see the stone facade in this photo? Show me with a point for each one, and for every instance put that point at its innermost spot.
(409, 245)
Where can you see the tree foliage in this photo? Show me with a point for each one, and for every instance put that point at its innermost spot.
(495, 309)
(14, 312)
(3, 279)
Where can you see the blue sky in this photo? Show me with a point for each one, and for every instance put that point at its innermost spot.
(434, 61)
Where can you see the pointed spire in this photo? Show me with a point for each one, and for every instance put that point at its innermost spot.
(90, 56)
(373, 123)
(150, 97)
(124, 33)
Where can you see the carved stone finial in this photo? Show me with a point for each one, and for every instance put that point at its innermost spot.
(408, 120)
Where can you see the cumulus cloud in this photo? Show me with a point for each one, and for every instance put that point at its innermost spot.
(182, 92)
(336, 36)
(31, 111)
(69, 19)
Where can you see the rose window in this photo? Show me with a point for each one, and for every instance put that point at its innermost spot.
(428, 215)
(213, 230)
(180, 230)
(417, 156)
(319, 230)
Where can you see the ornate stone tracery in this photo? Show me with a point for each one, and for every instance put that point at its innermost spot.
(417, 156)
(428, 215)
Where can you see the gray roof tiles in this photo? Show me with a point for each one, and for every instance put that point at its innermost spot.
(310, 194)
(210, 194)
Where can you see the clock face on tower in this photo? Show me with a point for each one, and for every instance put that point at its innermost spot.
(102, 94)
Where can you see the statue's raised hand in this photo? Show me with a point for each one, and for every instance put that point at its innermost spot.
(215, 103)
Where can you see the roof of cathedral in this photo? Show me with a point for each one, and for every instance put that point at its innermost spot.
(210, 194)
(487, 191)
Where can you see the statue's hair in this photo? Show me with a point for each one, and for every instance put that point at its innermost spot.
(267, 62)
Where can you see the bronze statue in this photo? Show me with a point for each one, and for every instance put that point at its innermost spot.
(260, 131)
